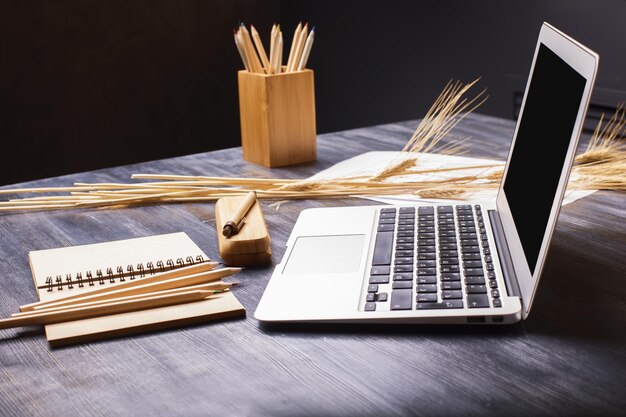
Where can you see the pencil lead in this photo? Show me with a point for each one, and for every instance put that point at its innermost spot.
(313, 28)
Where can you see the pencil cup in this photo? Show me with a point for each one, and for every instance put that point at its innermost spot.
(277, 118)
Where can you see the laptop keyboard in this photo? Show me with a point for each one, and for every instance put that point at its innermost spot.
(432, 258)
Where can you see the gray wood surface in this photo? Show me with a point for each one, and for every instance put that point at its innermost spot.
(568, 358)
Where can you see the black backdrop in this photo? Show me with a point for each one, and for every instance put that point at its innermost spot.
(86, 84)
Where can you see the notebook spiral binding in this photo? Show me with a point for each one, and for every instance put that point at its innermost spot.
(109, 275)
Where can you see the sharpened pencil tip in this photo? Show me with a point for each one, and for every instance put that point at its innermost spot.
(313, 28)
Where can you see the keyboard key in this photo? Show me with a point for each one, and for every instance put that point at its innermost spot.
(379, 279)
(485, 244)
(405, 233)
(447, 240)
(449, 268)
(387, 215)
(448, 254)
(426, 242)
(406, 222)
(382, 297)
(370, 306)
(372, 288)
(445, 209)
(464, 207)
(476, 289)
(472, 264)
(493, 283)
(426, 223)
(370, 297)
(380, 270)
(477, 301)
(426, 249)
(387, 220)
(452, 294)
(487, 251)
(402, 284)
(447, 233)
(406, 216)
(451, 285)
(427, 287)
(469, 242)
(426, 235)
(406, 228)
(488, 259)
(426, 210)
(404, 261)
(473, 271)
(402, 240)
(442, 305)
(449, 261)
(407, 210)
(497, 302)
(491, 275)
(426, 298)
(426, 271)
(401, 299)
(403, 253)
(425, 229)
(489, 266)
(405, 246)
(427, 279)
(447, 246)
(466, 223)
(470, 249)
(403, 268)
(385, 227)
(447, 228)
(471, 256)
(431, 263)
(455, 276)
(403, 276)
(445, 221)
(426, 256)
(388, 210)
(495, 293)
(475, 280)
(382, 248)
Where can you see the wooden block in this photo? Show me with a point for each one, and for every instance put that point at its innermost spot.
(251, 246)
(277, 118)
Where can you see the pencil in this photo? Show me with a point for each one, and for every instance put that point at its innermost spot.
(215, 288)
(241, 51)
(307, 50)
(260, 49)
(279, 54)
(253, 58)
(296, 35)
(299, 46)
(103, 309)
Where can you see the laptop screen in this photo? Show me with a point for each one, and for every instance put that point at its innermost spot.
(543, 137)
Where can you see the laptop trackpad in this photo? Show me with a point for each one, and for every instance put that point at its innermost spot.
(338, 254)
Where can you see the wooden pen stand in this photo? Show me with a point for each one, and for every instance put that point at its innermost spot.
(277, 118)
(251, 246)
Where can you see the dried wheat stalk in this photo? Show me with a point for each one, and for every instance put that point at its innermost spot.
(601, 166)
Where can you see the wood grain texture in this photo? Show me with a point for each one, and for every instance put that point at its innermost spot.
(251, 245)
(277, 118)
(568, 358)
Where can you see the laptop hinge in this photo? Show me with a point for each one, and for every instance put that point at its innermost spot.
(510, 279)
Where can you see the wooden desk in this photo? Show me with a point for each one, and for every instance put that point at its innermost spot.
(568, 358)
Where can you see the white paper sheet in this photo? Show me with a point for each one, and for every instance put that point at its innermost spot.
(371, 163)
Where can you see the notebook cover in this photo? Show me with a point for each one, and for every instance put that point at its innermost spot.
(62, 261)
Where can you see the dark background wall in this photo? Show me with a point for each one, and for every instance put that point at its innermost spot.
(86, 84)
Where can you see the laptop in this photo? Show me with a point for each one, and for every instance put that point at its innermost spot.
(477, 262)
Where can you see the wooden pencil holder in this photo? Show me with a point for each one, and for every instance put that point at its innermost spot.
(277, 118)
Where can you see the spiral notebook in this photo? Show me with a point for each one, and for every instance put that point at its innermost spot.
(61, 272)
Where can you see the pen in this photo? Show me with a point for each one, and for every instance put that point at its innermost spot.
(233, 226)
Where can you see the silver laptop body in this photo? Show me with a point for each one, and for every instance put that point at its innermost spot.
(478, 262)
